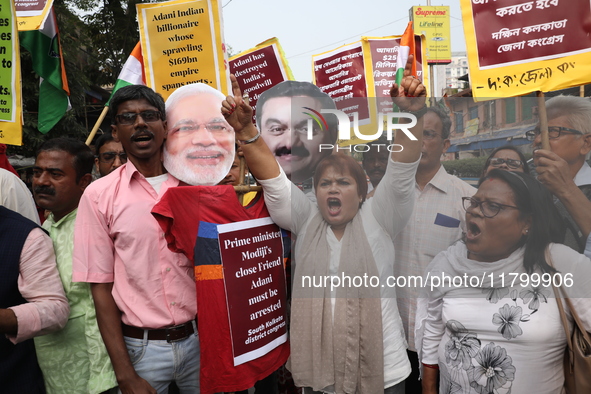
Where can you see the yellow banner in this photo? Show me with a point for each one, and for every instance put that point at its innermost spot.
(520, 48)
(434, 24)
(182, 43)
(10, 77)
(31, 13)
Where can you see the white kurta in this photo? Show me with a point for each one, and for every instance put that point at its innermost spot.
(384, 216)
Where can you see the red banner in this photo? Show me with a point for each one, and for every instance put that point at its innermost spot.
(508, 32)
(254, 278)
(384, 53)
(259, 69)
(341, 75)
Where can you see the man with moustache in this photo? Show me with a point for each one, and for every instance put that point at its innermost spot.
(437, 222)
(287, 136)
(144, 294)
(74, 359)
(199, 149)
(109, 154)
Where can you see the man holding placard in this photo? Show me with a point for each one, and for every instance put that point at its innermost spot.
(563, 169)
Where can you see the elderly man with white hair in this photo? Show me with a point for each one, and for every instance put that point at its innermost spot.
(563, 169)
(199, 149)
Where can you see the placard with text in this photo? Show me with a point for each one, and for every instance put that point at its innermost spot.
(516, 47)
(10, 77)
(259, 69)
(254, 279)
(182, 43)
(340, 73)
(31, 14)
(381, 56)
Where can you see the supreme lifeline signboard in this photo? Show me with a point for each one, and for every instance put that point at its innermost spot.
(434, 24)
(517, 47)
(254, 278)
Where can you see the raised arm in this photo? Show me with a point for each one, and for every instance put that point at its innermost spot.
(409, 97)
(238, 114)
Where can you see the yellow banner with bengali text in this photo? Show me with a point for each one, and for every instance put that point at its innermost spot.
(182, 43)
(11, 131)
(31, 14)
(516, 48)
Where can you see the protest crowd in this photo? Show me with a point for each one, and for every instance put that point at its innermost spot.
(200, 246)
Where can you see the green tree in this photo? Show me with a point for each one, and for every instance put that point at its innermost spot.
(96, 40)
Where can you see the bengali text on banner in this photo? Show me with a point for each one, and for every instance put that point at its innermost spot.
(518, 47)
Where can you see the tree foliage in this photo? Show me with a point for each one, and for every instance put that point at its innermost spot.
(96, 38)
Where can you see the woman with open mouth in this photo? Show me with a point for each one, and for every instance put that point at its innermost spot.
(489, 322)
(346, 334)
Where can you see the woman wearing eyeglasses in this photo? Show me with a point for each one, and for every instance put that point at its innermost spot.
(506, 157)
(493, 326)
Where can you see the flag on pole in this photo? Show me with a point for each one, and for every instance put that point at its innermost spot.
(132, 72)
(407, 47)
(48, 63)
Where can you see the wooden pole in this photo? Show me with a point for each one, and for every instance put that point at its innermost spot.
(241, 179)
(97, 125)
(582, 90)
(543, 120)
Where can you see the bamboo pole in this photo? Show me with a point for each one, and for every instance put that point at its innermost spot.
(543, 120)
(97, 125)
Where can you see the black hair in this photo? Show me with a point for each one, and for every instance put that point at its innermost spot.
(295, 89)
(445, 120)
(135, 92)
(547, 226)
(504, 147)
(383, 140)
(102, 140)
(342, 162)
(83, 157)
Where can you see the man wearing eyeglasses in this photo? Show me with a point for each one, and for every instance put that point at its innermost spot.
(144, 294)
(199, 149)
(109, 154)
(437, 222)
(563, 169)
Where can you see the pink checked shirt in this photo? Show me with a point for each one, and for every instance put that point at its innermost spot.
(118, 240)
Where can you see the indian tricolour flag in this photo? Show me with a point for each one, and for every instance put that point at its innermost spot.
(407, 47)
(132, 72)
(48, 63)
